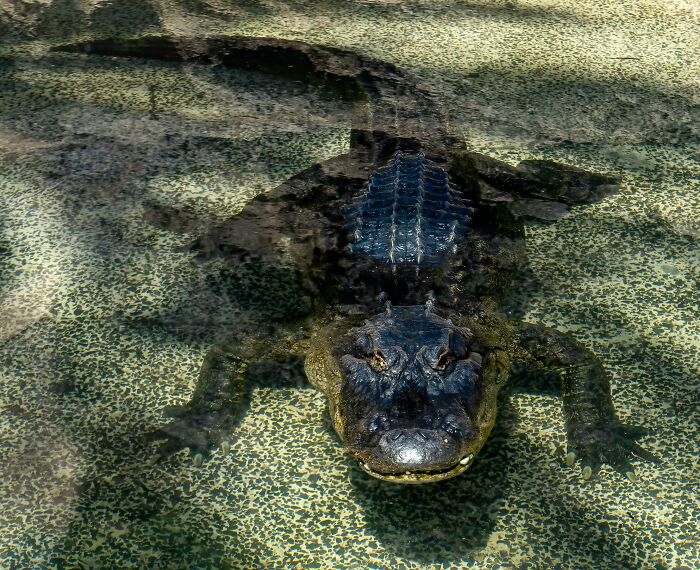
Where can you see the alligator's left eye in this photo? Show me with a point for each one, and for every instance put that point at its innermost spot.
(378, 362)
(444, 361)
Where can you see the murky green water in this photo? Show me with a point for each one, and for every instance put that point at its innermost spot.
(105, 319)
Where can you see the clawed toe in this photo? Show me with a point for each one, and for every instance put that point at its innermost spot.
(186, 434)
(612, 445)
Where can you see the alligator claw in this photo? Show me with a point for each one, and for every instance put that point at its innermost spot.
(612, 444)
(189, 429)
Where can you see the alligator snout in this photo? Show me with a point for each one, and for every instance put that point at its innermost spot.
(402, 450)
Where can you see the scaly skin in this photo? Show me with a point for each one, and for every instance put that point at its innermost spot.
(412, 388)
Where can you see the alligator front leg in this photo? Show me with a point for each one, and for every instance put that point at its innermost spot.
(217, 405)
(539, 189)
(595, 434)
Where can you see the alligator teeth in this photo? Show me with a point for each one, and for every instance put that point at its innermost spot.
(570, 458)
(466, 459)
(587, 472)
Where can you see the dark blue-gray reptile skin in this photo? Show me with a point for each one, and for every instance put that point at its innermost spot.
(408, 214)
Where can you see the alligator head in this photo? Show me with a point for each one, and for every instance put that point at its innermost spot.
(414, 397)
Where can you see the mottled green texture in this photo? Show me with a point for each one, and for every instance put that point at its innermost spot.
(105, 322)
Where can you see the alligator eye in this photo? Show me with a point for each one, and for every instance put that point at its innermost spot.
(378, 362)
(445, 359)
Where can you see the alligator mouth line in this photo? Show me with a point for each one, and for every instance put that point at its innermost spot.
(418, 477)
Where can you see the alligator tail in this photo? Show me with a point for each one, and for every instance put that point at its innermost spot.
(394, 111)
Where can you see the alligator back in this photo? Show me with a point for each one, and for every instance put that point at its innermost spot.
(408, 214)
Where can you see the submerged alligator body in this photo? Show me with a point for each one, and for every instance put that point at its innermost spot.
(408, 215)
(407, 245)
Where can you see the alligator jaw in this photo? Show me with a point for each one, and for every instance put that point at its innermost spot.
(419, 477)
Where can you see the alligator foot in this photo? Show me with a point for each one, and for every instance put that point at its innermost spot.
(198, 433)
(595, 434)
(219, 400)
(612, 444)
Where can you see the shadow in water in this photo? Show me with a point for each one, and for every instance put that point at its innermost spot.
(66, 18)
(454, 520)
(144, 509)
(62, 18)
(130, 17)
(69, 18)
(142, 514)
(440, 522)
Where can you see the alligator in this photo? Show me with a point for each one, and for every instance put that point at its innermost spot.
(406, 247)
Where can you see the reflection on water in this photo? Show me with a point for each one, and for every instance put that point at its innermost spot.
(106, 316)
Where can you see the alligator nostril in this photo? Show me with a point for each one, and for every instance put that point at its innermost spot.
(396, 436)
(414, 449)
(422, 435)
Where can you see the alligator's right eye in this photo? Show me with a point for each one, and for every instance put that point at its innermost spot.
(445, 359)
(378, 362)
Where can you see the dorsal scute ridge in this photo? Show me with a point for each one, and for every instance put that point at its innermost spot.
(408, 214)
